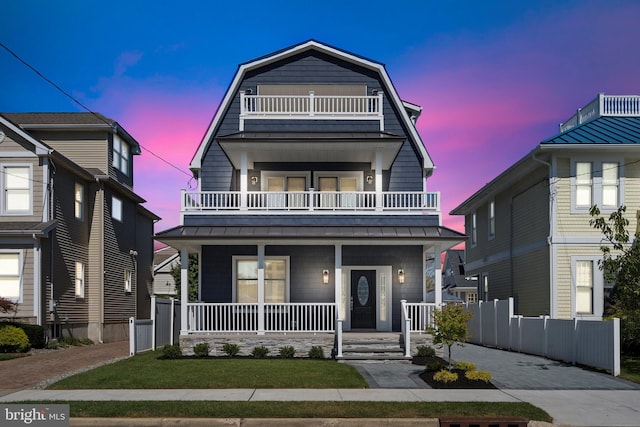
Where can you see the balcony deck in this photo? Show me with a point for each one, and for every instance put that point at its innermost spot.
(211, 202)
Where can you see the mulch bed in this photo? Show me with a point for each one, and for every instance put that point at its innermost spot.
(461, 383)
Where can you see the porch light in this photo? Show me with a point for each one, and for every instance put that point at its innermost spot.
(325, 276)
(369, 179)
(254, 180)
(401, 276)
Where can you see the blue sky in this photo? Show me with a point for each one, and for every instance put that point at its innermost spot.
(494, 77)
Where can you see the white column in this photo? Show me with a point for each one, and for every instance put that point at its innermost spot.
(37, 284)
(244, 184)
(379, 200)
(338, 280)
(184, 290)
(438, 276)
(261, 288)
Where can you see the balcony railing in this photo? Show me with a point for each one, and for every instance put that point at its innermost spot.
(309, 201)
(602, 106)
(256, 318)
(311, 106)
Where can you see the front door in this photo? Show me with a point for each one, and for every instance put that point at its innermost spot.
(363, 296)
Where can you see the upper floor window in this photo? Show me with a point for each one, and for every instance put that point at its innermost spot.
(79, 280)
(79, 201)
(121, 155)
(596, 183)
(474, 229)
(16, 190)
(10, 276)
(116, 208)
(492, 219)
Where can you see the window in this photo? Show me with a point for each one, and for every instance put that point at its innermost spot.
(474, 230)
(79, 203)
(492, 219)
(584, 286)
(120, 155)
(16, 190)
(597, 183)
(472, 297)
(127, 281)
(79, 280)
(10, 276)
(275, 280)
(116, 208)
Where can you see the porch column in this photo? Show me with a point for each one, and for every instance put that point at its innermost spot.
(261, 289)
(244, 185)
(338, 282)
(184, 290)
(379, 199)
(438, 276)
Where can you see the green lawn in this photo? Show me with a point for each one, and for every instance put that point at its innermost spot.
(174, 409)
(630, 368)
(146, 371)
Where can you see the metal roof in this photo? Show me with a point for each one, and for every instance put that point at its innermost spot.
(604, 130)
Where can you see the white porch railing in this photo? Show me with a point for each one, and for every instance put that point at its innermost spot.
(276, 317)
(310, 201)
(602, 106)
(416, 317)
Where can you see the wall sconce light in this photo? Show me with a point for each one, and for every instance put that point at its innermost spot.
(325, 276)
(401, 276)
(254, 180)
(369, 179)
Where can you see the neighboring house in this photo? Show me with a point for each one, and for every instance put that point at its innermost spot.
(76, 244)
(164, 261)
(454, 278)
(529, 229)
(312, 200)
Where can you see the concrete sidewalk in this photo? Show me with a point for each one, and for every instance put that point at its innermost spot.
(599, 408)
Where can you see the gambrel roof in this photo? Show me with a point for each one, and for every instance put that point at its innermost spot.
(310, 45)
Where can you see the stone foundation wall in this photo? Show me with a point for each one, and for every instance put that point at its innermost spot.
(301, 342)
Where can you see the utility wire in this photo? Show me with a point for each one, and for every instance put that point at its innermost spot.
(72, 98)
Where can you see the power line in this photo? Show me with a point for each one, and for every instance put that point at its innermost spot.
(75, 100)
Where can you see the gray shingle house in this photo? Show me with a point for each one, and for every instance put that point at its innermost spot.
(312, 203)
(76, 244)
(529, 229)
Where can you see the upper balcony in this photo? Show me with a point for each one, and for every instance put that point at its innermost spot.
(603, 106)
(312, 202)
(311, 107)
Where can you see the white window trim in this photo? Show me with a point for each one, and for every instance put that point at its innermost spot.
(234, 275)
(80, 295)
(596, 184)
(118, 218)
(598, 288)
(3, 183)
(473, 229)
(80, 202)
(358, 175)
(20, 254)
(491, 217)
(128, 281)
(265, 175)
(119, 156)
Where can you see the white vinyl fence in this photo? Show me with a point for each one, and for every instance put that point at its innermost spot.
(586, 342)
(163, 327)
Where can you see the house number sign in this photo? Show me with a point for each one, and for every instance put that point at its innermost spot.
(363, 290)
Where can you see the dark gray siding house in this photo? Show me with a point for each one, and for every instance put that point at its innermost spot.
(312, 200)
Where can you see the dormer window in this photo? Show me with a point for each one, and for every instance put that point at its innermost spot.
(121, 155)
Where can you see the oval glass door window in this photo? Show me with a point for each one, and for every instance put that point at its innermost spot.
(363, 290)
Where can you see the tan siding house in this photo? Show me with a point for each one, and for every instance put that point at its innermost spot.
(552, 252)
(66, 263)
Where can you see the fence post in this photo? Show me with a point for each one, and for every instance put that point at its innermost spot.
(339, 337)
(153, 322)
(132, 336)
(545, 325)
(615, 369)
(172, 314)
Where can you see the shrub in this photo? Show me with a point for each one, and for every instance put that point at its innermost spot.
(201, 349)
(67, 341)
(426, 351)
(35, 333)
(13, 340)
(483, 376)
(171, 351)
(287, 352)
(434, 366)
(445, 376)
(465, 366)
(230, 349)
(316, 352)
(260, 352)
